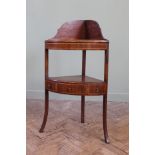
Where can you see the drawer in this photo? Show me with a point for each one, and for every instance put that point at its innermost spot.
(64, 88)
(95, 89)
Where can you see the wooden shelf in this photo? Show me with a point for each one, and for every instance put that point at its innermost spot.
(76, 85)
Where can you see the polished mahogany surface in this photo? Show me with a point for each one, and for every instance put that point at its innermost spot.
(78, 35)
(75, 79)
(76, 85)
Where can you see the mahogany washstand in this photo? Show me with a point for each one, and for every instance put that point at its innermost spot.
(78, 35)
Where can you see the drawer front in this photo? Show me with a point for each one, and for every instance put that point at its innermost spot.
(72, 89)
(76, 89)
(95, 89)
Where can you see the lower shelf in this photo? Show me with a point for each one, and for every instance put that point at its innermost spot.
(76, 85)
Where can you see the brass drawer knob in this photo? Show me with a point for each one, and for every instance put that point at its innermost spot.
(97, 90)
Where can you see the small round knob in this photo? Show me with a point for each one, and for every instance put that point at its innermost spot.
(97, 90)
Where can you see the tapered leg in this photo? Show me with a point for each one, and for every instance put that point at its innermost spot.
(106, 138)
(82, 108)
(83, 79)
(45, 112)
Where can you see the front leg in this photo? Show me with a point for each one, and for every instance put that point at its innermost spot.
(45, 112)
(106, 137)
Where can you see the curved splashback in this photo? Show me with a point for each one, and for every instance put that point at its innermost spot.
(80, 29)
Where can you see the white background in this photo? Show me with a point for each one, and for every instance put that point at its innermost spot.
(13, 78)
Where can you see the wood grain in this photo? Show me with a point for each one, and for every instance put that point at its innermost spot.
(78, 35)
(65, 135)
(76, 85)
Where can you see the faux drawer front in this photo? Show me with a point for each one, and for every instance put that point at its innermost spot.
(95, 89)
(76, 89)
(72, 89)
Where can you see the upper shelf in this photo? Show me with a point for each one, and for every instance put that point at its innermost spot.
(79, 34)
